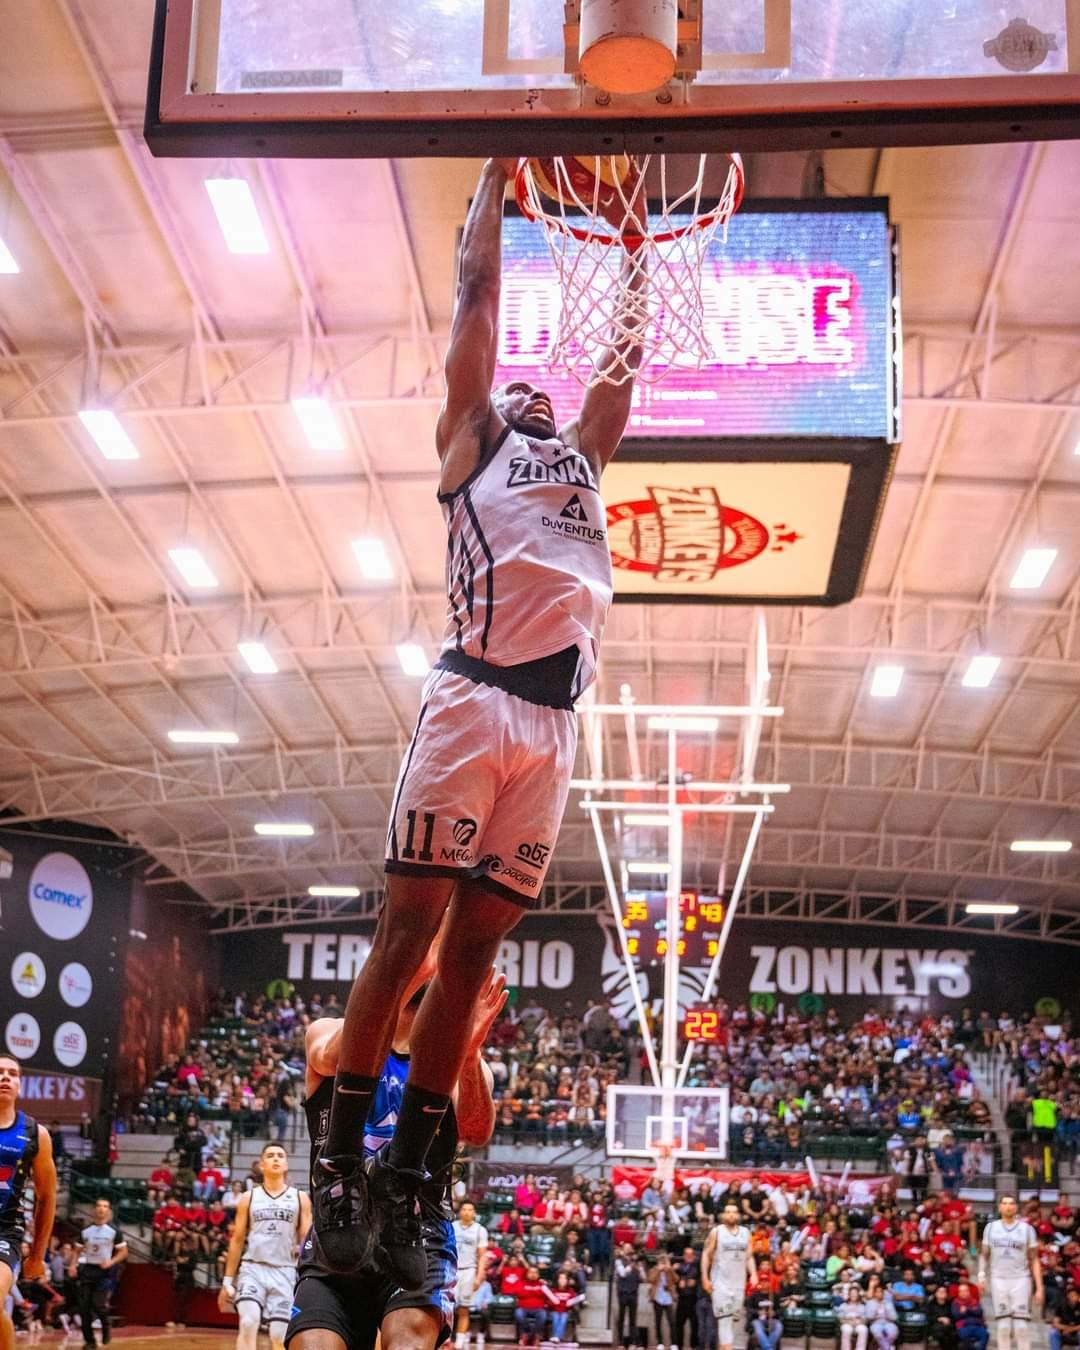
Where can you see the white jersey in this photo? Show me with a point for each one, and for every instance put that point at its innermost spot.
(729, 1260)
(528, 570)
(469, 1240)
(1010, 1247)
(272, 1224)
(100, 1241)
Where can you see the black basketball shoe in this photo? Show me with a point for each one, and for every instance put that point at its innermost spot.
(342, 1214)
(395, 1201)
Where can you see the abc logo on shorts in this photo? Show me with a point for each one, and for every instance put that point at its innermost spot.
(61, 897)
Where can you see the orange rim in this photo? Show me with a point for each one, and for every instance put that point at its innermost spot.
(633, 241)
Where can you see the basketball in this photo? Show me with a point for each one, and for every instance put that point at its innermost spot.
(576, 181)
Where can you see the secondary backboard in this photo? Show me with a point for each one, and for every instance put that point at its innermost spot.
(697, 1126)
(360, 78)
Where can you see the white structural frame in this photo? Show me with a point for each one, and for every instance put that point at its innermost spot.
(668, 1073)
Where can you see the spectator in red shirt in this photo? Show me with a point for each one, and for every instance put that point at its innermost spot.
(512, 1224)
(562, 1299)
(532, 1303)
(512, 1276)
(210, 1182)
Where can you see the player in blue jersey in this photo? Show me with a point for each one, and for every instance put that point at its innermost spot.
(334, 1312)
(25, 1154)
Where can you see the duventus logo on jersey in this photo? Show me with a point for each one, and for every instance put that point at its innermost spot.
(573, 522)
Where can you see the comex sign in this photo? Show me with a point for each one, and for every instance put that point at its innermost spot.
(61, 897)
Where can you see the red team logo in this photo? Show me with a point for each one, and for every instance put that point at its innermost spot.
(687, 535)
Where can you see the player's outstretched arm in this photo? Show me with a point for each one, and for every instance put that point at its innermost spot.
(606, 408)
(470, 360)
(43, 1171)
(475, 1104)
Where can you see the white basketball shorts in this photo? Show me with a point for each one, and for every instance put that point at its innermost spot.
(482, 788)
(1011, 1298)
(271, 1287)
(466, 1286)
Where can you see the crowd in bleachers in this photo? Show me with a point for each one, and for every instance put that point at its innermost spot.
(870, 1274)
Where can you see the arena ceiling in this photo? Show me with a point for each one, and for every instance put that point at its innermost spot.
(126, 287)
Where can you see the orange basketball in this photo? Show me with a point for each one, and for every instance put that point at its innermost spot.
(577, 175)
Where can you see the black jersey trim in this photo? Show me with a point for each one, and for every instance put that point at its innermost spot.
(489, 585)
(485, 460)
(452, 580)
(547, 682)
(392, 837)
(484, 882)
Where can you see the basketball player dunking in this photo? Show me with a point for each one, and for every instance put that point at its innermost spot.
(25, 1152)
(484, 782)
(334, 1312)
(260, 1266)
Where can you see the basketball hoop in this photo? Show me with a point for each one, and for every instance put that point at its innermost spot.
(629, 283)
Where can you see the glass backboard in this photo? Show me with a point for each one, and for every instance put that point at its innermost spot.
(428, 77)
(697, 1125)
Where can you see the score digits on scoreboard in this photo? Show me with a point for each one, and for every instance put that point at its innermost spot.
(698, 938)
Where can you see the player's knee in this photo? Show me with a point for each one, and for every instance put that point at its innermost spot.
(249, 1316)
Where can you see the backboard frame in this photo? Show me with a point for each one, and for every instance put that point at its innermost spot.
(181, 120)
(681, 1145)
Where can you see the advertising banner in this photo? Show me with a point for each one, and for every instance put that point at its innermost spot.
(62, 935)
(800, 311)
(505, 1176)
(859, 1188)
(563, 959)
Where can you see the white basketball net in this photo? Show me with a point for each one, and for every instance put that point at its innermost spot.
(623, 289)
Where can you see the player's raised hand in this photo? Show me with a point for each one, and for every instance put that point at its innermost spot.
(491, 1003)
(508, 166)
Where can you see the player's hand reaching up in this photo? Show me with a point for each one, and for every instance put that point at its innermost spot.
(508, 166)
(491, 1003)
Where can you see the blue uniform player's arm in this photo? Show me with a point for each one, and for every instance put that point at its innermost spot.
(473, 1103)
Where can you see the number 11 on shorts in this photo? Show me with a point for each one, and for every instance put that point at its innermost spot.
(425, 854)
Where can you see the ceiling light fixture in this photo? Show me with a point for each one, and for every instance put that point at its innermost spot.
(634, 818)
(284, 829)
(319, 422)
(237, 214)
(194, 568)
(108, 434)
(1040, 846)
(258, 658)
(981, 908)
(413, 659)
(664, 723)
(373, 558)
(980, 672)
(204, 738)
(335, 892)
(8, 265)
(642, 869)
(1032, 569)
(886, 681)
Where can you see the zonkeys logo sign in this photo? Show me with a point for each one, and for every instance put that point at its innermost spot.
(687, 535)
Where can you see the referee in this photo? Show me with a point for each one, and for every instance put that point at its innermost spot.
(103, 1249)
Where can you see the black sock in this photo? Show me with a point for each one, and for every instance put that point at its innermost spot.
(421, 1115)
(353, 1095)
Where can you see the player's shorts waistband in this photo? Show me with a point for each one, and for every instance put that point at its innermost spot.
(547, 682)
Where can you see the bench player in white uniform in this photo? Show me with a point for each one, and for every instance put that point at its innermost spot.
(472, 1244)
(260, 1268)
(482, 788)
(1010, 1248)
(726, 1267)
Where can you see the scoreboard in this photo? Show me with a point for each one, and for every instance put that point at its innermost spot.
(647, 938)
